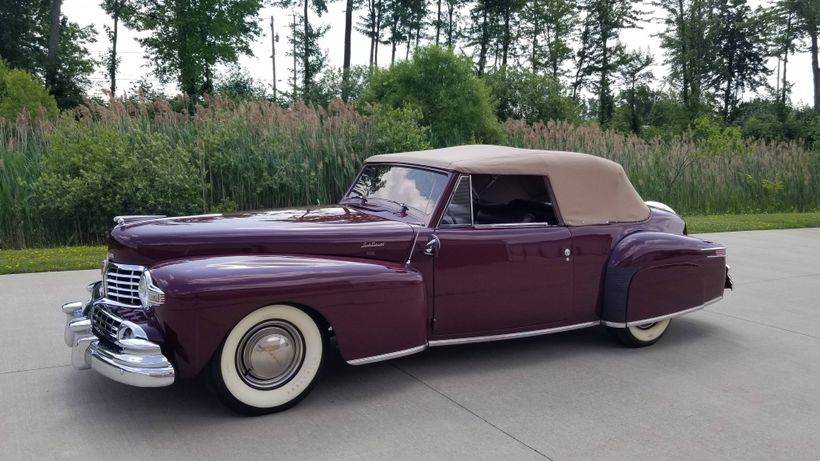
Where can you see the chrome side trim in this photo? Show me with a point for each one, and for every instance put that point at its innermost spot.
(661, 317)
(522, 334)
(512, 224)
(388, 356)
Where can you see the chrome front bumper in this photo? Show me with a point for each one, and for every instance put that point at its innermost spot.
(138, 362)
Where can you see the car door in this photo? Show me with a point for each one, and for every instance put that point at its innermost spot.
(496, 276)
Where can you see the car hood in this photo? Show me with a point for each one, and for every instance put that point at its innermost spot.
(332, 231)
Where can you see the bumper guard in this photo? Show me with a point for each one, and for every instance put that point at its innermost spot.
(139, 362)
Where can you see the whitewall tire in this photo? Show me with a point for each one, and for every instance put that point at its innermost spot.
(640, 335)
(269, 361)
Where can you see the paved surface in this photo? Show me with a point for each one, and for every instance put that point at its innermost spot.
(739, 380)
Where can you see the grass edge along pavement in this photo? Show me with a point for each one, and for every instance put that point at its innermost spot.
(90, 257)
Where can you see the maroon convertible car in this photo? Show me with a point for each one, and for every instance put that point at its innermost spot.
(426, 249)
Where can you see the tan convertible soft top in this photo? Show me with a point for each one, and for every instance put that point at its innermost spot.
(587, 189)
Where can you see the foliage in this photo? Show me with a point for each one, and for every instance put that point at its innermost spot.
(20, 91)
(548, 26)
(24, 42)
(188, 40)
(708, 171)
(454, 102)
(236, 83)
(97, 172)
(399, 129)
(739, 62)
(604, 19)
(522, 94)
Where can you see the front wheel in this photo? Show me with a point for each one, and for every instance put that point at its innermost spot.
(269, 361)
(640, 335)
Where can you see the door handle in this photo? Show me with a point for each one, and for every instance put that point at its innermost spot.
(432, 246)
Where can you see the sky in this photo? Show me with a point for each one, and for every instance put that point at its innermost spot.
(135, 66)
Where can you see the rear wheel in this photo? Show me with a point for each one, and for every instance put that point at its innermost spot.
(269, 361)
(640, 335)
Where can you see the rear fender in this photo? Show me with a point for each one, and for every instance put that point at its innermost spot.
(373, 307)
(655, 275)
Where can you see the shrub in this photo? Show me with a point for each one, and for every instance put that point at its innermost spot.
(524, 95)
(20, 91)
(91, 174)
(398, 130)
(454, 103)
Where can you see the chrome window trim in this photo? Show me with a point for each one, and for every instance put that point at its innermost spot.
(521, 334)
(512, 224)
(388, 356)
(661, 317)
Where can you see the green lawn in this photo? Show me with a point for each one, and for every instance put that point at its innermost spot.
(73, 258)
(51, 259)
(740, 222)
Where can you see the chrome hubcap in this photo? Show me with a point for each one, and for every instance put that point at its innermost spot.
(270, 354)
(646, 326)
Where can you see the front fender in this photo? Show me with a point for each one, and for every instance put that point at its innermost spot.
(373, 307)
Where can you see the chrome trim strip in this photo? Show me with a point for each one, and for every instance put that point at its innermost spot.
(388, 356)
(512, 224)
(661, 317)
(716, 256)
(522, 334)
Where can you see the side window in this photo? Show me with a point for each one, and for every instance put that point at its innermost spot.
(459, 211)
(512, 199)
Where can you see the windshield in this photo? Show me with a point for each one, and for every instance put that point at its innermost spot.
(415, 188)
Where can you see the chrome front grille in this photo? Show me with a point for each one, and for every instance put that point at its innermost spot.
(104, 324)
(122, 283)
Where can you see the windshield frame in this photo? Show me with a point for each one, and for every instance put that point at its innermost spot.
(425, 220)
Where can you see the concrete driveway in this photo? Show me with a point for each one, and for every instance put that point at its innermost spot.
(739, 380)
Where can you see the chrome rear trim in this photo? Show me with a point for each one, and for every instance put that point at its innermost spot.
(661, 317)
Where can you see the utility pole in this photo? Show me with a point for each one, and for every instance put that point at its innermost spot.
(293, 32)
(273, 39)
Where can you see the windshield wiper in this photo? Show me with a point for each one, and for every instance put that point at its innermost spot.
(404, 208)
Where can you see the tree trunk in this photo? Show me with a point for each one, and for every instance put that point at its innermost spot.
(815, 70)
(603, 91)
(112, 71)
(505, 47)
(786, 59)
(438, 22)
(533, 59)
(378, 32)
(53, 43)
(482, 54)
(306, 57)
(346, 62)
(682, 36)
(450, 12)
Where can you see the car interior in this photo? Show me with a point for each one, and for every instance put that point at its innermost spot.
(501, 199)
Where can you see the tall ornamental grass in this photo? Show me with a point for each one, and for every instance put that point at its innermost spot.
(61, 181)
